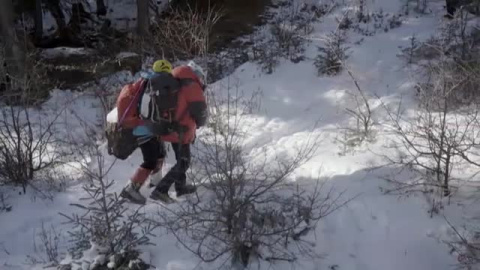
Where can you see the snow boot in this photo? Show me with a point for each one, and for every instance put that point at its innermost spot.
(156, 175)
(187, 189)
(161, 196)
(132, 191)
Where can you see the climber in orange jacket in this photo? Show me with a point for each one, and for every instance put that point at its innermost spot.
(187, 112)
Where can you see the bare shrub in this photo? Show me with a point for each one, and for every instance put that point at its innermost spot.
(248, 209)
(287, 34)
(458, 39)
(411, 52)
(465, 243)
(27, 144)
(419, 6)
(345, 22)
(377, 21)
(331, 55)
(362, 113)
(46, 242)
(105, 222)
(221, 65)
(184, 34)
(4, 205)
(27, 141)
(361, 10)
(265, 51)
(434, 141)
(460, 44)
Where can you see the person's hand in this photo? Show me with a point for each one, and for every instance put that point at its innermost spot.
(155, 127)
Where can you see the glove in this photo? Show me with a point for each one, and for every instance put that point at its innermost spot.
(156, 128)
(142, 131)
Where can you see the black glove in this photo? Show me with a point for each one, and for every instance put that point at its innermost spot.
(157, 128)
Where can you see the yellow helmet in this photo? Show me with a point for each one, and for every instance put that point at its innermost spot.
(162, 66)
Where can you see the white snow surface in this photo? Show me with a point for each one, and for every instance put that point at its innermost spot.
(372, 232)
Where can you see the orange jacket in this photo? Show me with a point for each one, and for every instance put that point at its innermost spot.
(128, 94)
(191, 108)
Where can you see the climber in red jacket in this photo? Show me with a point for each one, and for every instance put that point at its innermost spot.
(187, 112)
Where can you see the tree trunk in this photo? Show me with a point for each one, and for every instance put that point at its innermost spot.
(54, 7)
(143, 17)
(14, 51)
(101, 8)
(38, 20)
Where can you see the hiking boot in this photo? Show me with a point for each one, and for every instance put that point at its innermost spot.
(187, 189)
(132, 193)
(161, 196)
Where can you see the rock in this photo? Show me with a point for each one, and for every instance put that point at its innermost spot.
(68, 56)
(123, 61)
(71, 67)
(69, 77)
(138, 265)
(65, 267)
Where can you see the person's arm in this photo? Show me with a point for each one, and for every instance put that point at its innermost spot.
(197, 106)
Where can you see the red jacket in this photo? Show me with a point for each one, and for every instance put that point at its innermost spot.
(130, 93)
(191, 105)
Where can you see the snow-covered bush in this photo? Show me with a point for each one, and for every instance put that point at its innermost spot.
(105, 222)
(220, 65)
(410, 53)
(46, 246)
(362, 113)
(26, 135)
(419, 6)
(26, 145)
(438, 137)
(461, 44)
(331, 54)
(374, 22)
(249, 210)
(285, 35)
(465, 243)
(4, 205)
(265, 51)
(458, 39)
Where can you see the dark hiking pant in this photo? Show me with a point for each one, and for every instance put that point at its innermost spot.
(152, 151)
(451, 7)
(177, 173)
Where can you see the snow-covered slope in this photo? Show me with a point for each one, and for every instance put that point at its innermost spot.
(374, 231)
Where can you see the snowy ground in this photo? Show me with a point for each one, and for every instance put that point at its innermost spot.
(373, 232)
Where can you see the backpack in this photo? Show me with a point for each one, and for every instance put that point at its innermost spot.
(163, 89)
(121, 142)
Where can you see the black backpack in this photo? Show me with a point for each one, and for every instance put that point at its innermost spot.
(163, 89)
